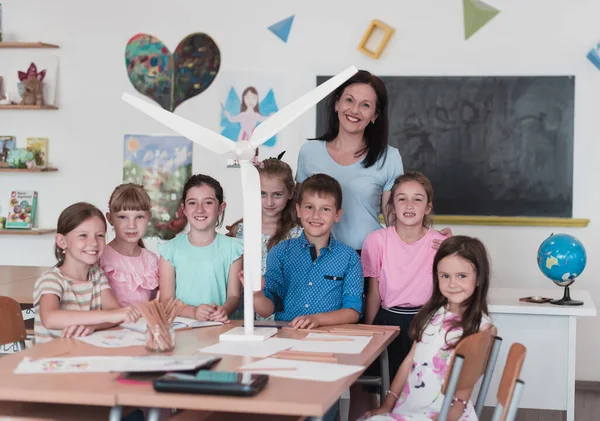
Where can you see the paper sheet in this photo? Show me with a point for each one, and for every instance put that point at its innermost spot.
(179, 323)
(250, 349)
(353, 345)
(304, 370)
(110, 364)
(114, 338)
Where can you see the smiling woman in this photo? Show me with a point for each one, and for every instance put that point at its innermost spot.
(354, 150)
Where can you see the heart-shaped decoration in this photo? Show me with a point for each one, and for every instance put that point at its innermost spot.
(169, 79)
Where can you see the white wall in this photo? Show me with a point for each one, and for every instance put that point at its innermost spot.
(533, 37)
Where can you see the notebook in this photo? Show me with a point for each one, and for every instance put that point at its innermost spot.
(179, 323)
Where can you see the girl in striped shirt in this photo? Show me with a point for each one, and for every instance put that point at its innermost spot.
(74, 298)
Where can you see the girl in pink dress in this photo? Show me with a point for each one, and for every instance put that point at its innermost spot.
(457, 308)
(131, 269)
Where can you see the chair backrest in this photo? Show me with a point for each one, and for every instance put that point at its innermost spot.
(489, 372)
(466, 367)
(12, 326)
(510, 377)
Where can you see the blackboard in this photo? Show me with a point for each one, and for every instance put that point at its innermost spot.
(498, 146)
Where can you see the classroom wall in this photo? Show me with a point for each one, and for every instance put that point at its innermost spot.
(533, 37)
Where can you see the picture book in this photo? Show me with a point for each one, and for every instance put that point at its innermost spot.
(21, 209)
(179, 323)
(6, 143)
(39, 147)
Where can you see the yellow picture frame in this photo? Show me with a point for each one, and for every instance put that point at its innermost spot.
(376, 24)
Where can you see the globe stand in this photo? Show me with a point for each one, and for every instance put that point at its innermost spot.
(566, 299)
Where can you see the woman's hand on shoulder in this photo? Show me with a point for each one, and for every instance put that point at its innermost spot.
(446, 232)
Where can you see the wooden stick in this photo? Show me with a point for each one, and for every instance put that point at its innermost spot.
(316, 354)
(354, 333)
(325, 339)
(306, 358)
(291, 329)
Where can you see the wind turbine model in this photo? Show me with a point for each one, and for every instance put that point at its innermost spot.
(252, 211)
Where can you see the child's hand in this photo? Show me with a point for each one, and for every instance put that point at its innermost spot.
(124, 315)
(377, 411)
(447, 232)
(76, 331)
(204, 311)
(305, 322)
(219, 315)
(262, 281)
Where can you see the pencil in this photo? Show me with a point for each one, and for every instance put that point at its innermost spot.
(268, 369)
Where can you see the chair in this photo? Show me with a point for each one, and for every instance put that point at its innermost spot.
(510, 388)
(467, 366)
(12, 326)
(489, 371)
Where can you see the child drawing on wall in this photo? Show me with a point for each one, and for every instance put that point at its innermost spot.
(240, 126)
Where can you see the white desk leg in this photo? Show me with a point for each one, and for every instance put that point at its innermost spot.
(115, 413)
(571, 368)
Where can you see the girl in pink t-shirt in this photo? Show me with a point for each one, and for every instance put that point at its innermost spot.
(398, 261)
(131, 269)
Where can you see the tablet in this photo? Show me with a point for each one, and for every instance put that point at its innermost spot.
(212, 383)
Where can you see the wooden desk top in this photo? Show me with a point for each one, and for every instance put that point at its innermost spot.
(20, 290)
(281, 396)
(15, 273)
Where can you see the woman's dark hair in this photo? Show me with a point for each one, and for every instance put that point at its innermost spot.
(376, 134)
(274, 167)
(200, 180)
(71, 218)
(474, 307)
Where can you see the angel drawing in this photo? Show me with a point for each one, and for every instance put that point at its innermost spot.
(240, 118)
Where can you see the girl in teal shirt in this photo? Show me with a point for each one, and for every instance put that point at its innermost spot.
(200, 268)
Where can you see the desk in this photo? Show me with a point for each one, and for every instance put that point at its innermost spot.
(281, 396)
(549, 333)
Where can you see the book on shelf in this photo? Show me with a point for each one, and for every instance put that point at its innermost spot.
(6, 144)
(39, 147)
(22, 208)
(179, 323)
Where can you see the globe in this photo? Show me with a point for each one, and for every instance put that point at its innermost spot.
(562, 258)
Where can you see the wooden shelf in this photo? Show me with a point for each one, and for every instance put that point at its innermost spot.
(27, 45)
(28, 107)
(34, 231)
(47, 169)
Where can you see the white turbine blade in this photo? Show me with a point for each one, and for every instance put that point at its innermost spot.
(252, 227)
(194, 132)
(272, 125)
